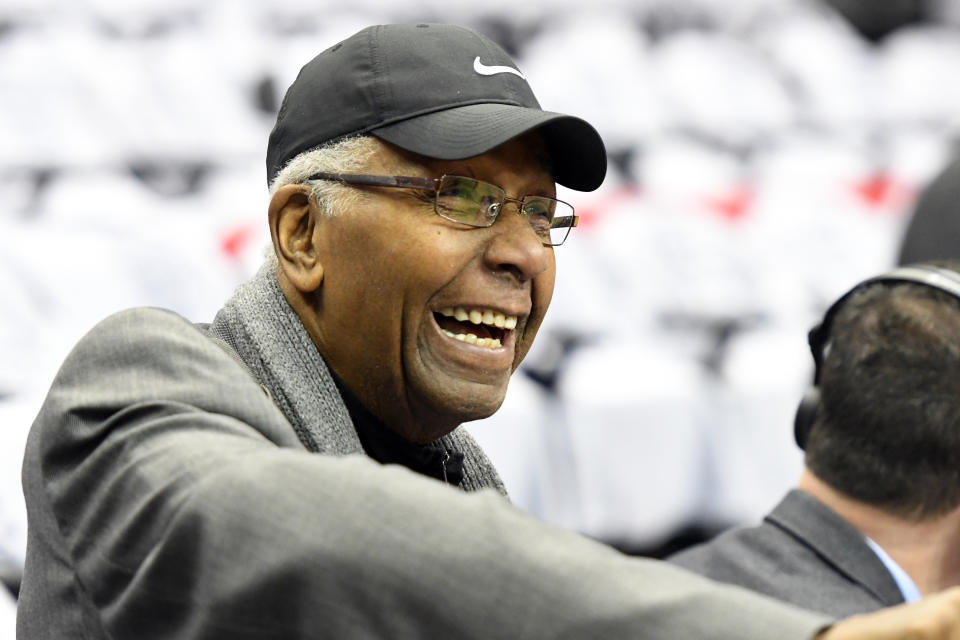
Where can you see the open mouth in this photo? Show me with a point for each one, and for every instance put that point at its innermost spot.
(482, 327)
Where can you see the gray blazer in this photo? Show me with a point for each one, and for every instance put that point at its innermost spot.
(169, 497)
(803, 553)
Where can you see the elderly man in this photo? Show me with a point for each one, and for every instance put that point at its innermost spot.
(875, 520)
(216, 481)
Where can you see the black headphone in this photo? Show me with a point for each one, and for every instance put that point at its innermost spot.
(929, 275)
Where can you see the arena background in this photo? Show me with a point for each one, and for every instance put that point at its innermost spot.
(765, 155)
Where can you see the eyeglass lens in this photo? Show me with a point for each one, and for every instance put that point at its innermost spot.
(477, 203)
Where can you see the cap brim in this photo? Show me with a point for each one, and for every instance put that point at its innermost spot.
(577, 153)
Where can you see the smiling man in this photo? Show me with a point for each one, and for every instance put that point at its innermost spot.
(224, 480)
(414, 222)
(455, 295)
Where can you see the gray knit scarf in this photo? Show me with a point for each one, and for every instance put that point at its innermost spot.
(262, 329)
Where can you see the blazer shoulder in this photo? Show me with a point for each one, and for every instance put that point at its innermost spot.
(141, 322)
(149, 354)
(140, 335)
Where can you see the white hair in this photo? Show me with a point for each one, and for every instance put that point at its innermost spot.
(350, 155)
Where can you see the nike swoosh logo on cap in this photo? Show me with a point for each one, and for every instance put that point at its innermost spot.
(486, 70)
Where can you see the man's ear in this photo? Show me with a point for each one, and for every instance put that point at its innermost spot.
(293, 221)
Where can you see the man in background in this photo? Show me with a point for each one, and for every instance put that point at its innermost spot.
(875, 519)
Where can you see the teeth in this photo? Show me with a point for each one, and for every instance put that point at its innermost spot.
(487, 317)
(490, 343)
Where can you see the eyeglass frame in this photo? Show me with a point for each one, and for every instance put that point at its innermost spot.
(433, 184)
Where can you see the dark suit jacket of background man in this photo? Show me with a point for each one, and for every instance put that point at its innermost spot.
(802, 553)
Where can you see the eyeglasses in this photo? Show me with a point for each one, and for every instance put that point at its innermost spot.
(475, 203)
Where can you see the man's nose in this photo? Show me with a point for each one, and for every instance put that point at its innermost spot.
(514, 246)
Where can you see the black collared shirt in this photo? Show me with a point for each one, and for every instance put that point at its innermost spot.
(387, 447)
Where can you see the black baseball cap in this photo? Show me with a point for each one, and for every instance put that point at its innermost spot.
(441, 91)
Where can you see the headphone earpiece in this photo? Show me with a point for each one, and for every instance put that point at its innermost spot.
(806, 415)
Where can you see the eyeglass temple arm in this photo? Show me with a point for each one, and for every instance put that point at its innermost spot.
(362, 179)
(565, 221)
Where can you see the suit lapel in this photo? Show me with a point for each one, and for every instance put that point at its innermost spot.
(837, 542)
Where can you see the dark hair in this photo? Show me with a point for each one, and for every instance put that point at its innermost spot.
(888, 429)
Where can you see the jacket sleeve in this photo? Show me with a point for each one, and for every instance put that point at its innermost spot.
(176, 495)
